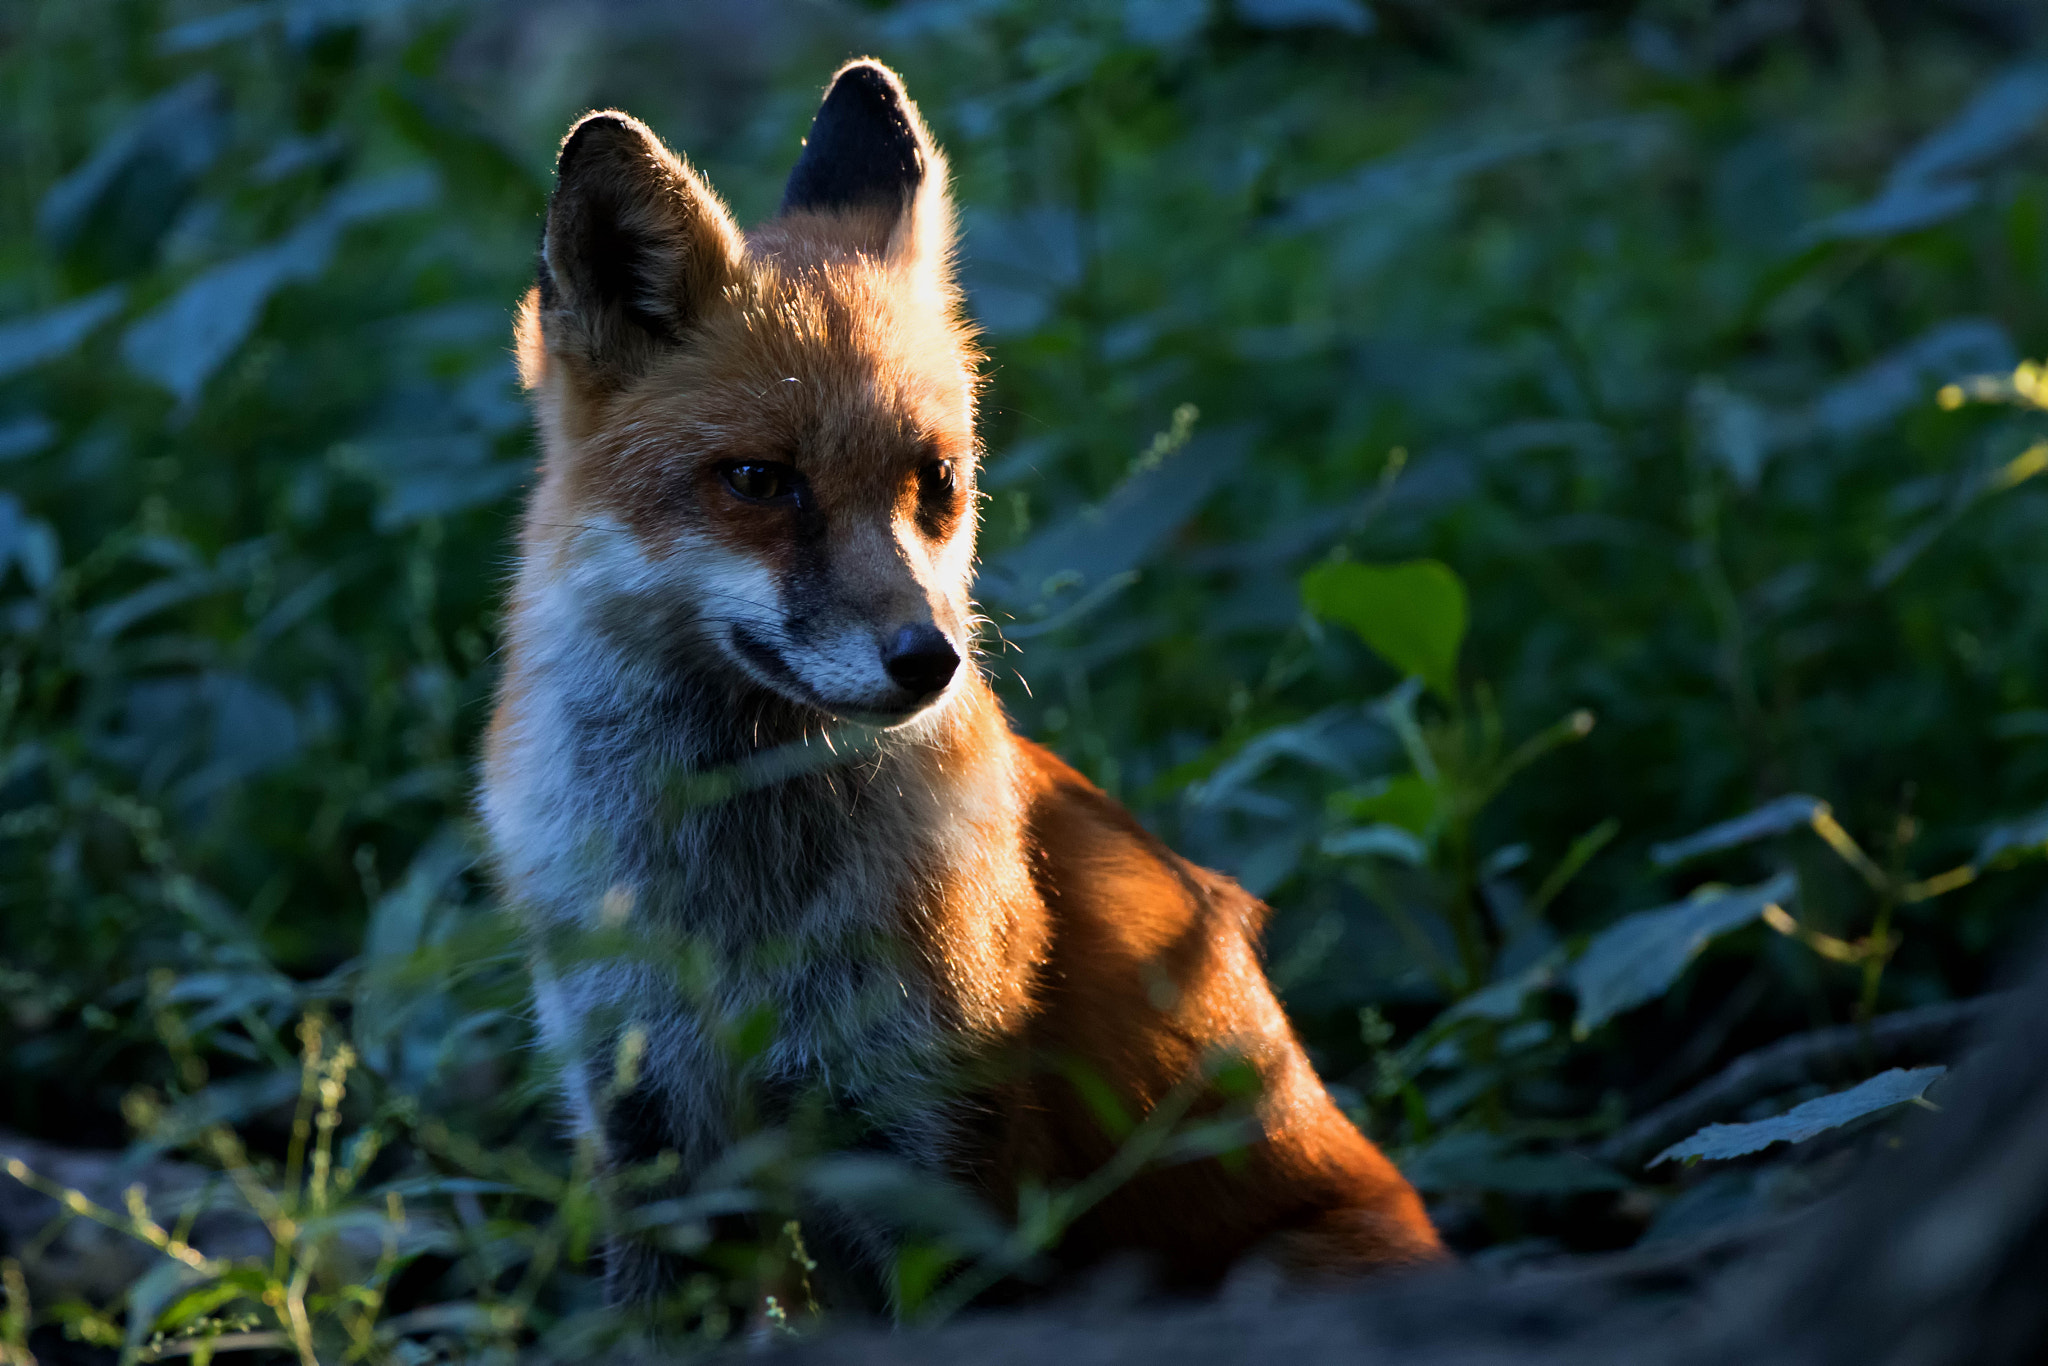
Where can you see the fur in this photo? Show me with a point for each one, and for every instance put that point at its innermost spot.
(700, 740)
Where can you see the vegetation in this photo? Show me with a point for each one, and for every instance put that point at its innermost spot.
(1548, 496)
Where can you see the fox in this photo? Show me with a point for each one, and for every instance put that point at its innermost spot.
(742, 709)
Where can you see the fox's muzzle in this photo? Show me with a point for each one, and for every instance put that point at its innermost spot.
(920, 660)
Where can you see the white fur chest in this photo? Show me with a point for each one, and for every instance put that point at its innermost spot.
(689, 905)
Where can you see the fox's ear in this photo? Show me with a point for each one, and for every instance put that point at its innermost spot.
(870, 161)
(637, 247)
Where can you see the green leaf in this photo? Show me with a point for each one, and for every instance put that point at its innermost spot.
(1502, 1001)
(197, 1304)
(29, 341)
(1637, 958)
(1720, 1141)
(29, 542)
(754, 1032)
(1930, 183)
(161, 1285)
(2014, 839)
(1377, 841)
(182, 342)
(1772, 818)
(1733, 428)
(1413, 615)
(479, 168)
(919, 1265)
(898, 1196)
(1080, 555)
(1409, 802)
(1101, 1099)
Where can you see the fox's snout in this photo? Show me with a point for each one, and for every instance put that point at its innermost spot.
(921, 661)
(864, 667)
(911, 667)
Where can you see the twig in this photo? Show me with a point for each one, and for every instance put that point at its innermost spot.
(1820, 1055)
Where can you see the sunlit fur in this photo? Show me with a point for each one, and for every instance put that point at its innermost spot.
(941, 916)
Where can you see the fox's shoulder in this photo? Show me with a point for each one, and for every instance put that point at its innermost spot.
(1107, 877)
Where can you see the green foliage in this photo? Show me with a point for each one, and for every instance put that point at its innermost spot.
(1809, 1119)
(1617, 362)
(1413, 615)
(1637, 958)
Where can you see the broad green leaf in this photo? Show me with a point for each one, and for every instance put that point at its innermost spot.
(1093, 546)
(230, 1102)
(1413, 615)
(1929, 183)
(1409, 802)
(399, 923)
(1308, 741)
(1997, 120)
(464, 1316)
(1394, 197)
(39, 337)
(1639, 957)
(170, 140)
(478, 167)
(430, 476)
(1720, 1141)
(1772, 818)
(1502, 1001)
(1876, 395)
(182, 342)
(1165, 24)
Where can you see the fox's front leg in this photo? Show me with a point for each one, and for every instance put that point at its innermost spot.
(657, 1144)
(675, 1188)
(655, 1098)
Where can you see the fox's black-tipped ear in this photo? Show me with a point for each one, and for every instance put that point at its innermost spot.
(866, 150)
(637, 247)
(870, 159)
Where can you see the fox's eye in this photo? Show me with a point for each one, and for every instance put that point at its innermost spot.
(761, 483)
(938, 509)
(935, 481)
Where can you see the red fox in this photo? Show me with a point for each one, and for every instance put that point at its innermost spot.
(754, 530)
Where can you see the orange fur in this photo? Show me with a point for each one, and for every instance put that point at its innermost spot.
(1152, 968)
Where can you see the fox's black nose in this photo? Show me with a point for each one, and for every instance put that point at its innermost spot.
(921, 660)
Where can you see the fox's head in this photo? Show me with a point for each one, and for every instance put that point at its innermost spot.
(759, 446)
